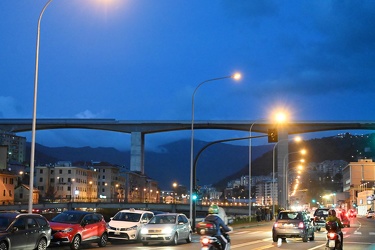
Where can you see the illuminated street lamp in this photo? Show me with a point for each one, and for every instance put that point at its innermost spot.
(33, 128)
(235, 76)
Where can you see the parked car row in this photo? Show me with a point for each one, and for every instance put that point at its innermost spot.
(34, 231)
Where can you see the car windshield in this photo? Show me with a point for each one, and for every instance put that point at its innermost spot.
(163, 219)
(4, 223)
(290, 216)
(126, 216)
(66, 217)
(321, 212)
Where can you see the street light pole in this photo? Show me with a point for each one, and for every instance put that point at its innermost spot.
(33, 129)
(235, 76)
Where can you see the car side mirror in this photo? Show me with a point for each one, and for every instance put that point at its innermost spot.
(14, 229)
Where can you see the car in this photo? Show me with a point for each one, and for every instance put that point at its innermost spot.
(352, 213)
(76, 227)
(167, 228)
(320, 216)
(126, 224)
(343, 216)
(24, 231)
(293, 224)
(370, 214)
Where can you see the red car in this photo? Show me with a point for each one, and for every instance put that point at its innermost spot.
(75, 227)
(352, 213)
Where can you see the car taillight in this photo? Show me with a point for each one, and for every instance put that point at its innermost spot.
(301, 225)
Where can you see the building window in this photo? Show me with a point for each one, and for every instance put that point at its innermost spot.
(52, 171)
(10, 193)
(69, 171)
(41, 179)
(41, 171)
(4, 193)
(60, 171)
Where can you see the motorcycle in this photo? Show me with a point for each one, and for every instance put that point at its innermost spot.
(334, 241)
(213, 243)
(208, 240)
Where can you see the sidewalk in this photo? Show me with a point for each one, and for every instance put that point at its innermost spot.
(252, 224)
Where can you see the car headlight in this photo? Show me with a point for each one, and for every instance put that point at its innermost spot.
(67, 230)
(167, 230)
(131, 228)
(144, 231)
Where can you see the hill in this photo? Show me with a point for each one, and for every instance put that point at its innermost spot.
(171, 163)
(219, 163)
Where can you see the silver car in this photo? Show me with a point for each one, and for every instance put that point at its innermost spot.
(293, 224)
(166, 228)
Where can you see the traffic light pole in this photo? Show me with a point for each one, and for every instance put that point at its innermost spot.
(195, 171)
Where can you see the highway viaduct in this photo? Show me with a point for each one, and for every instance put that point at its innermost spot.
(138, 130)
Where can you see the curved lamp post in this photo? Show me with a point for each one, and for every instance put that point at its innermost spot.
(32, 155)
(250, 159)
(234, 76)
(196, 161)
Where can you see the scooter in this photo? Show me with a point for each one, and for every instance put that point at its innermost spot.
(208, 239)
(334, 241)
(213, 243)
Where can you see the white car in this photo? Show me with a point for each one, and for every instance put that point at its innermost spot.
(126, 224)
(167, 228)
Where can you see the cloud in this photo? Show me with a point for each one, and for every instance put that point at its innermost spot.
(86, 114)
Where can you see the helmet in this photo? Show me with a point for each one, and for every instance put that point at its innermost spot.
(213, 209)
(332, 212)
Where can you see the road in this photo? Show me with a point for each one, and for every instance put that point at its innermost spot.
(257, 237)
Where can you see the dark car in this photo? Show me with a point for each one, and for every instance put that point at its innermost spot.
(24, 231)
(320, 216)
(76, 227)
(293, 224)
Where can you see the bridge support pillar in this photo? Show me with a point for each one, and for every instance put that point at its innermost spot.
(137, 152)
(282, 152)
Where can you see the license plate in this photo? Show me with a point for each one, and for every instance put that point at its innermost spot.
(117, 232)
(288, 225)
(154, 236)
(331, 243)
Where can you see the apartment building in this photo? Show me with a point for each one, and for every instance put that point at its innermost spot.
(16, 147)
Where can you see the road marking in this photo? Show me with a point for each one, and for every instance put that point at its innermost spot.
(371, 233)
(251, 243)
(357, 232)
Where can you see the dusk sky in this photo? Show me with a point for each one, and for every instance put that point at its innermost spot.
(142, 60)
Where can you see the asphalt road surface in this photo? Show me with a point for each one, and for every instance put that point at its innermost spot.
(360, 236)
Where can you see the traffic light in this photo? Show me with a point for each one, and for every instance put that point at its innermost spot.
(272, 135)
(195, 196)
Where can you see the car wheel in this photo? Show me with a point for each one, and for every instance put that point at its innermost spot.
(174, 239)
(274, 237)
(312, 236)
(76, 243)
(305, 237)
(145, 243)
(103, 240)
(3, 246)
(42, 244)
(188, 239)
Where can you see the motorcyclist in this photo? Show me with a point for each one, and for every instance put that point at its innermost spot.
(213, 217)
(332, 217)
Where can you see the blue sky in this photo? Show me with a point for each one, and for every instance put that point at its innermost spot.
(142, 60)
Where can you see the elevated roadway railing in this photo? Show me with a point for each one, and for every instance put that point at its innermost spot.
(181, 208)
